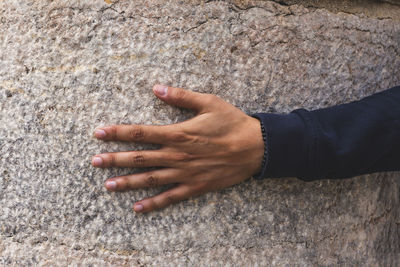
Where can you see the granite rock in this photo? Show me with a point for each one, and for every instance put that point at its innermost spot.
(67, 67)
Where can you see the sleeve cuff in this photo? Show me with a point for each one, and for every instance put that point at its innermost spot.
(286, 151)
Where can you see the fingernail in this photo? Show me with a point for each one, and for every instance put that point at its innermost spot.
(100, 133)
(138, 207)
(161, 90)
(97, 161)
(111, 185)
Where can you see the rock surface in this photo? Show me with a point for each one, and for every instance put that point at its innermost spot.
(371, 8)
(67, 67)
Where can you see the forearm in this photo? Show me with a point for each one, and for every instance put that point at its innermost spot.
(341, 141)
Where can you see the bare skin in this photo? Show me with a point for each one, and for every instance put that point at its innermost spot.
(219, 147)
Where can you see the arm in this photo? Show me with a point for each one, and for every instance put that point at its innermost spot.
(337, 142)
(221, 146)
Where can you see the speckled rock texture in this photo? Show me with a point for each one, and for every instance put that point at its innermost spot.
(67, 67)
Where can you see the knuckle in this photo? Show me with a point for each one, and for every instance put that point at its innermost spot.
(180, 137)
(154, 204)
(150, 204)
(122, 183)
(111, 160)
(170, 198)
(136, 133)
(182, 157)
(161, 202)
(200, 140)
(138, 159)
(112, 131)
(151, 180)
(179, 95)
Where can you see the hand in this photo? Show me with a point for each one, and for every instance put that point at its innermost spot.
(219, 147)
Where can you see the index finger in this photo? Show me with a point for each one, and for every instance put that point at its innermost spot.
(140, 133)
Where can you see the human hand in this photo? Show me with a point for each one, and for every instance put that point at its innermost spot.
(219, 147)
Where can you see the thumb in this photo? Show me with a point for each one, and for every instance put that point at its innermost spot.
(182, 98)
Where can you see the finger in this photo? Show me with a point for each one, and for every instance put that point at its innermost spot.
(145, 158)
(185, 98)
(136, 133)
(146, 179)
(164, 199)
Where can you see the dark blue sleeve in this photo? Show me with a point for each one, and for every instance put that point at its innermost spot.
(342, 141)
